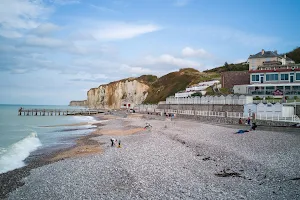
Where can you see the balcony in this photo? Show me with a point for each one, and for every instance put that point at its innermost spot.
(277, 68)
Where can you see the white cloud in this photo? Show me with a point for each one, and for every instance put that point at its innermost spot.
(46, 42)
(45, 28)
(135, 70)
(117, 30)
(103, 9)
(181, 2)
(21, 14)
(171, 60)
(190, 52)
(10, 34)
(65, 2)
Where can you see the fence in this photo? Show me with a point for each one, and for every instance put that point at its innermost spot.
(237, 115)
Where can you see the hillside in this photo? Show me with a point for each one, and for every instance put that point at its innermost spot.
(230, 67)
(294, 55)
(173, 82)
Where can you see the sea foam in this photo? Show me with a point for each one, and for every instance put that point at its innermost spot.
(13, 157)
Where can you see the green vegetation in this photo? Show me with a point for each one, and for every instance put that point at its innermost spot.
(197, 94)
(230, 67)
(147, 79)
(225, 91)
(173, 82)
(294, 55)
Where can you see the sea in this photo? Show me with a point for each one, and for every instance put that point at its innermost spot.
(20, 136)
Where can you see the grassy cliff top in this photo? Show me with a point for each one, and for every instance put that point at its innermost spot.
(173, 82)
(294, 55)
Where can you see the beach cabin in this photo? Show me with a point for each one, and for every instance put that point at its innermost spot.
(228, 100)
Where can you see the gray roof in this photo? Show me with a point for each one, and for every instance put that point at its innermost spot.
(267, 54)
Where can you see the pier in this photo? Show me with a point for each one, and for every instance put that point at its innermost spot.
(57, 112)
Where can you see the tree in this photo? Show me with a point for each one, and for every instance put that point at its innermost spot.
(226, 65)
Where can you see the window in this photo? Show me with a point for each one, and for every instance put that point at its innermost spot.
(284, 77)
(272, 77)
(255, 77)
(298, 76)
(279, 87)
(270, 88)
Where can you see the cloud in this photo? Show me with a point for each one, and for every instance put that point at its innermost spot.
(84, 77)
(21, 14)
(45, 28)
(121, 30)
(167, 59)
(65, 2)
(180, 3)
(190, 52)
(10, 34)
(135, 70)
(45, 42)
(103, 9)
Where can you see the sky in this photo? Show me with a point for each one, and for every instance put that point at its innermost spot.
(54, 51)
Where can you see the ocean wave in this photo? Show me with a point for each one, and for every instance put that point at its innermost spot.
(84, 118)
(13, 157)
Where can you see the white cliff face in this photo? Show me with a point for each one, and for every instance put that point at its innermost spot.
(112, 95)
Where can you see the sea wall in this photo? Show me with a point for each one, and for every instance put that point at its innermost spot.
(113, 95)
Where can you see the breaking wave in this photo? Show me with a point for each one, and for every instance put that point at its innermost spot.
(13, 157)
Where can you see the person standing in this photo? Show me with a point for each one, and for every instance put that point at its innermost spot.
(248, 121)
(112, 141)
(254, 124)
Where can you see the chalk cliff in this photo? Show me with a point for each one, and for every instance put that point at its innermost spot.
(78, 103)
(115, 94)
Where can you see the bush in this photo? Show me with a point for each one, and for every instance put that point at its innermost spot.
(257, 98)
(197, 94)
(269, 98)
(295, 97)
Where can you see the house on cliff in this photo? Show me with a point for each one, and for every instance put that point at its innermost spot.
(272, 75)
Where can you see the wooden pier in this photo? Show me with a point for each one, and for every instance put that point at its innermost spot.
(57, 112)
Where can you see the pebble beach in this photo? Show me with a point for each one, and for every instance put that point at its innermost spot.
(177, 159)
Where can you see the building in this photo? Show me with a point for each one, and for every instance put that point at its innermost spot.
(274, 75)
(199, 88)
(231, 78)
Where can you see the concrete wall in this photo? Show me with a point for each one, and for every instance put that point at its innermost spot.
(203, 107)
(231, 78)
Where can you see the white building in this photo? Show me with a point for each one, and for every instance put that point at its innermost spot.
(199, 88)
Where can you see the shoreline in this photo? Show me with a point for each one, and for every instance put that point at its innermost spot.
(11, 180)
(83, 146)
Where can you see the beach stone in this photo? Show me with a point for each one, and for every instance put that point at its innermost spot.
(161, 164)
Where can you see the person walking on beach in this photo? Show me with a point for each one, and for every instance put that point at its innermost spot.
(248, 121)
(253, 127)
(112, 141)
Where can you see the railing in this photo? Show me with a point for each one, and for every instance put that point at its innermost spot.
(275, 101)
(237, 115)
(270, 117)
